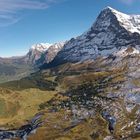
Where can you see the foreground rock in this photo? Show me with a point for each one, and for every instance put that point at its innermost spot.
(24, 131)
(111, 121)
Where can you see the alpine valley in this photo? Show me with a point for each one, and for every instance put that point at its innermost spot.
(86, 88)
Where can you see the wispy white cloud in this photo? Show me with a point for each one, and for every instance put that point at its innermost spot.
(9, 9)
(129, 2)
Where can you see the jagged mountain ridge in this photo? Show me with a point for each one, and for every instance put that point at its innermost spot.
(50, 53)
(43, 53)
(14, 68)
(112, 32)
(35, 53)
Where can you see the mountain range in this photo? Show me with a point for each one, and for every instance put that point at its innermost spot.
(87, 88)
(112, 33)
(17, 67)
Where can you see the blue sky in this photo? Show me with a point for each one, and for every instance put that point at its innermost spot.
(27, 22)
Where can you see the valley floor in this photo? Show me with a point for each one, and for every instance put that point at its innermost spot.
(77, 102)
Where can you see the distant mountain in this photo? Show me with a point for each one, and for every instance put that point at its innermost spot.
(36, 52)
(42, 53)
(50, 53)
(17, 67)
(112, 32)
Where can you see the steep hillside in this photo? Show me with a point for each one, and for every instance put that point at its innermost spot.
(111, 32)
(103, 91)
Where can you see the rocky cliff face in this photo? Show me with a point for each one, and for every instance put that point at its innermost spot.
(111, 32)
(50, 53)
(36, 52)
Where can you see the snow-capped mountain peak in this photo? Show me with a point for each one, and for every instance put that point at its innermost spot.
(57, 46)
(51, 53)
(111, 32)
(129, 22)
(112, 10)
(41, 47)
(43, 52)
